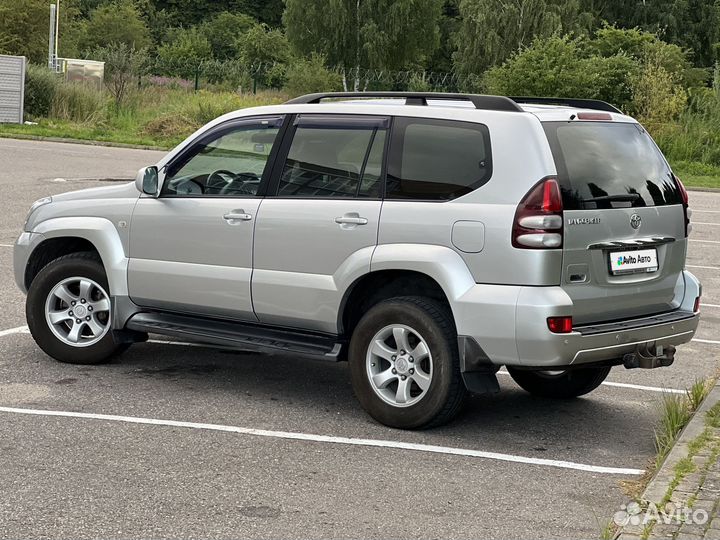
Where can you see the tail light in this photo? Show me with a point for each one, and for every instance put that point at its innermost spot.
(686, 205)
(538, 219)
(560, 325)
(696, 306)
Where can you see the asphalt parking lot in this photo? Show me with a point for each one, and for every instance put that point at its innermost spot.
(172, 440)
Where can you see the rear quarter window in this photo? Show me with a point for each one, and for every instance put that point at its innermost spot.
(437, 159)
(609, 165)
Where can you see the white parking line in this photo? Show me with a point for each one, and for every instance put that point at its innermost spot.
(705, 241)
(336, 440)
(628, 385)
(695, 210)
(6, 245)
(709, 305)
(704, 223)
(705, 267)
(18, 330)
(712, 342)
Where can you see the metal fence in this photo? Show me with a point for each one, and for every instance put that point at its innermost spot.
(12, 89)
(201, 72)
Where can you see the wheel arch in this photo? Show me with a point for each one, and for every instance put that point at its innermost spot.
(62, 236)
(405, 270)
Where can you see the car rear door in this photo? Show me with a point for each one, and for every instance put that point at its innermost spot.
(316, 234)
(624, 239)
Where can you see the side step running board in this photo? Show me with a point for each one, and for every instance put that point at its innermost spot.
(237, 335)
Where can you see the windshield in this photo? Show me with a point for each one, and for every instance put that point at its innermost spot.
(609, 165)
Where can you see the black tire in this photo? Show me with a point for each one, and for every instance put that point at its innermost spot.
(82, 264)
(568, 384)
(444, 395)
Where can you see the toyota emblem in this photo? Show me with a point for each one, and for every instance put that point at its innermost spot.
(635, 221)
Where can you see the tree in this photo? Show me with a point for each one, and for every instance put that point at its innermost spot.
(266, 11)
(183, 52)
(309, 75)
(564, 67)
(116, 22)
(265, 52)
(658, 97)
(642, 46)
(691, 24)
(123, 65)
(24, 28)
(492, 30)
(373, 34)
(223, 32)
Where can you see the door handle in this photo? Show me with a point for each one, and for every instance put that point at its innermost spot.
(351, 220)
(238, 215)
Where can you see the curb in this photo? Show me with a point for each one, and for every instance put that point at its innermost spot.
(86, 142)
(658, 486)
(703, 189)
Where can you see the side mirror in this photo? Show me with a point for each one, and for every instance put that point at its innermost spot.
(147, 180)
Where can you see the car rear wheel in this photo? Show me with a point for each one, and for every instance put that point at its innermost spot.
(404, 363)
(566, 384)
(69, 312)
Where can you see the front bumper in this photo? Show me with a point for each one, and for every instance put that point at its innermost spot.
(513, 330)
(24, 246)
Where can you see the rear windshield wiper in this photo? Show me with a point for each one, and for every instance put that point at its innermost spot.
(629, 197)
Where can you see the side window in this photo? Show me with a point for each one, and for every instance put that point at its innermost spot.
(437, 159)
(332, 156)
(230, 163)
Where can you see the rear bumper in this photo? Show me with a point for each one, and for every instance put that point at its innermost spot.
(515, 332)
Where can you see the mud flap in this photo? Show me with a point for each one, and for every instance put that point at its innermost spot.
(477, 371)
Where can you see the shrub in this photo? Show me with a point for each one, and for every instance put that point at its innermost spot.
(184, 51)
(40, 87)
(309, 75)
(174, 127)
(79, 103)
(123, 65)
(563, 67)
(696, 134)
(119, 21)
(658, 97)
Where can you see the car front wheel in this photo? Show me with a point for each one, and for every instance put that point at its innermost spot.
(69, 311)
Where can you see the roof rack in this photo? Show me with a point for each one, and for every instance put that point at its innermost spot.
(489, 103)
(594, 104)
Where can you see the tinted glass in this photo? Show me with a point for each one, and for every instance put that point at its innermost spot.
(229, 164)
(437, 159)
(609, 165)
(334, 159)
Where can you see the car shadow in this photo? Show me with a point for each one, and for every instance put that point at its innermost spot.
(294, 394)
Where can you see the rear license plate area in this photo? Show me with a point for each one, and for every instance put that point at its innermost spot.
(634, 261)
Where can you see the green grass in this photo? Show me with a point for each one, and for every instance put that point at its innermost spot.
(696, 174)
(158, 117)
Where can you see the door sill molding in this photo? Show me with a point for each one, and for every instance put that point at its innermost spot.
(238, 335)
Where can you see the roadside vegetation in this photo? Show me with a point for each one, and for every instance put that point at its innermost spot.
(675, 412)
(170, 66)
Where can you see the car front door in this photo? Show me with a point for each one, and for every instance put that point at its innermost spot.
(191, 247)
(316, 234)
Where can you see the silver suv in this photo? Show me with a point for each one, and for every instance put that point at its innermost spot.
(427, 238)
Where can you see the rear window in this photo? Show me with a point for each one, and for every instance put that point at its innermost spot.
(437, 159)
(609, 165)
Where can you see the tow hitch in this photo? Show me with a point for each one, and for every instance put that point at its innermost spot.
(649, 356)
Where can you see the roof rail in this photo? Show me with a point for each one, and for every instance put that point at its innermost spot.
(594, 104)
(489, 103)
